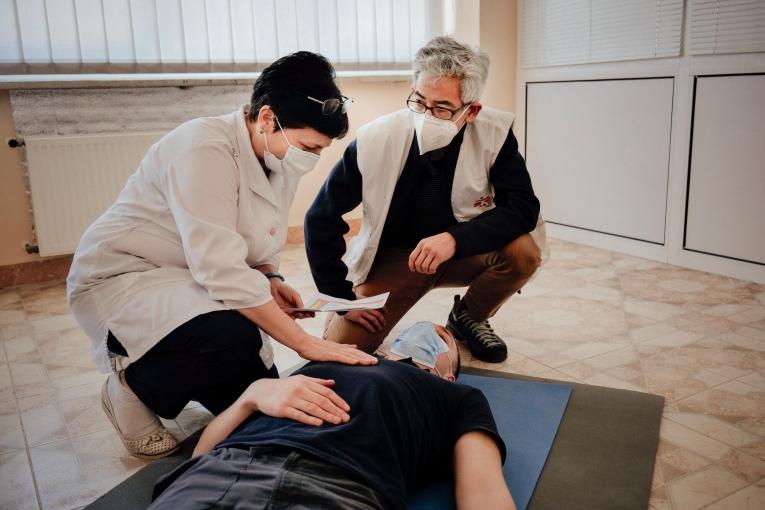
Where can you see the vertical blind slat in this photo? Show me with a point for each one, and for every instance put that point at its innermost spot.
(145, 31)
(219, 31)
(10, 37)
(62, 31)
(33, 28)
(193, 16)
(90, 31)
(366, 33)
(242, 35)
(327, 28)
(170, 31)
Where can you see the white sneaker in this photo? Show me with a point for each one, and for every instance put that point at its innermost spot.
(158, 443)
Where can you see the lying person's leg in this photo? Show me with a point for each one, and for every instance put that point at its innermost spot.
(262, 477)
(492, 279)
(390, 273)
(208, 480)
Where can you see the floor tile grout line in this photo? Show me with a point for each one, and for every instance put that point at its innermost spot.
(32, 472)
(740, 376)
(712, 464)
(68, 438)
(23, 431)
(699, 433)
(708, 388)
(703, 468)
(622, 346)
(28, 452)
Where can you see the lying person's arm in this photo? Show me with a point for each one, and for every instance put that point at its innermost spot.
(300, 398)
(479, 482)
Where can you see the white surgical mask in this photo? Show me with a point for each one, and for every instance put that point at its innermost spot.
(421, 343)
(433, 133)
(295, 163)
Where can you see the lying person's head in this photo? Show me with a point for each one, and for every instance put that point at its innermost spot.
(431, 347)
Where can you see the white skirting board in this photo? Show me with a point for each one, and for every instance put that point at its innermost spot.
(74, 179)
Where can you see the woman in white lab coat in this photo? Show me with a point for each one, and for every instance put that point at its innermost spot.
(177, 283)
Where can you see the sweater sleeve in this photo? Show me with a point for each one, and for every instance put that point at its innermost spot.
(516, 211)
(325, 227)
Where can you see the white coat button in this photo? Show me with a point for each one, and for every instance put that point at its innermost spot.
(272, 232)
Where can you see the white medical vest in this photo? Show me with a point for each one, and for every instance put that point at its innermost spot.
(382, 147)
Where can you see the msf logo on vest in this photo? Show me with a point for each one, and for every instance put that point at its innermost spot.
(483, 202)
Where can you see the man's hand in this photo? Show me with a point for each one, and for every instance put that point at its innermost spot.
(304, 399)
(287, 297)
(371, 320)
(431, 252)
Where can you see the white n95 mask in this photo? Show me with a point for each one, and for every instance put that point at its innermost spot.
(295, 163)
(433, 133)
(421, 343)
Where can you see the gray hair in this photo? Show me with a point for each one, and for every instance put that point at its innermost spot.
(444, 56)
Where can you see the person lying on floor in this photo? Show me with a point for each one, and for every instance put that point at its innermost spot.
(385, 430)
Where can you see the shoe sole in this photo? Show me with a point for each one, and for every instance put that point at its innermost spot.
(458, 335)
(106, 405)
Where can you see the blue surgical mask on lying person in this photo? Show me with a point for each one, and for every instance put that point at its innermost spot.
(421, 343)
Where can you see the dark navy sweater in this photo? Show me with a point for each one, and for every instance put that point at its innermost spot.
(420, 207)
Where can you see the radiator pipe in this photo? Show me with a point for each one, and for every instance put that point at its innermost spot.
(15, 143)
(32, 248)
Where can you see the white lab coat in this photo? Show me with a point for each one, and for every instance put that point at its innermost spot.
(181, 240)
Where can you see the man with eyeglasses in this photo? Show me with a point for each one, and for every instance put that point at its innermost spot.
(447, 201)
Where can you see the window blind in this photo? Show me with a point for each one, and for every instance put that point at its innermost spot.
(213, 34)
(726, 26)
(561, 32)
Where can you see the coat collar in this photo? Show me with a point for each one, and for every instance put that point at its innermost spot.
(257, 179)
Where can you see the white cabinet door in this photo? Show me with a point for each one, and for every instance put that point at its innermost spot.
(598, 153)
(726, 188)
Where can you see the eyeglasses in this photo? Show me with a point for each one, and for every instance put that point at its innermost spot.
(331, 105)
(438, 112)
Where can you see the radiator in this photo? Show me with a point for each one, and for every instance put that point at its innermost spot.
(73, 179)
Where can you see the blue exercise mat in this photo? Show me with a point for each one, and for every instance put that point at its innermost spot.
(528, 415)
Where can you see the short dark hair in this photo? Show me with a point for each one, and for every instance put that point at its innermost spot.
(284, 86)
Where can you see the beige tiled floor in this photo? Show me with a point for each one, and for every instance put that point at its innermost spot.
(591, 316)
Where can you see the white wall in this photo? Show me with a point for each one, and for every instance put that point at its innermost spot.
(726, 195)
(600, 151)
(682, 71)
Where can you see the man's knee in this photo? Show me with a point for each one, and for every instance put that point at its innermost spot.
(523, 256)
(340, 330)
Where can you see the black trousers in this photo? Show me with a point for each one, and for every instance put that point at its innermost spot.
(211, 359)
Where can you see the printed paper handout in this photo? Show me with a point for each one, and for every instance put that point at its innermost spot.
(325, 303)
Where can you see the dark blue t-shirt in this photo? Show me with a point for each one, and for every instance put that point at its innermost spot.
(403, 427)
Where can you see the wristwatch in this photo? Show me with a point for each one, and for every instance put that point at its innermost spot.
(274, 274)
